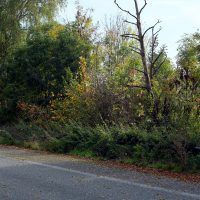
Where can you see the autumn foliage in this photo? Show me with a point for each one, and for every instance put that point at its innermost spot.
(72, 88)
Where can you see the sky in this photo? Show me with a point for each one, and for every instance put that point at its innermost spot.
(178, 17)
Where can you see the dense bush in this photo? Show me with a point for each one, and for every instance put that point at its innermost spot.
(160, 145)
(40, 70)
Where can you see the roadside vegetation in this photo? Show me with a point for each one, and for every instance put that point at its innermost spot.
(67, 88)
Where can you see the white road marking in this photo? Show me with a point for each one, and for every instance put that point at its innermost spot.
(160, 189)
(94, 176)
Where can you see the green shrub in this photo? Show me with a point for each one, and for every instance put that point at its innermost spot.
(166, 148)
(194, 163)
(55, 145)
(6, 138)
(32, 145)
(83, 153)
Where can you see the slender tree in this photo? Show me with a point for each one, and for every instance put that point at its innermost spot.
(149, 63)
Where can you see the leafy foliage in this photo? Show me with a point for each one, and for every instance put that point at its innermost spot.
(68, 88)
(16, 15)
(42, 69)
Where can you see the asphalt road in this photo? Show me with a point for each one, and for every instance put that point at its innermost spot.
(29, 175)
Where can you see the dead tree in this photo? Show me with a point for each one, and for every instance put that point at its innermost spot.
(149, 62)
(152, 60)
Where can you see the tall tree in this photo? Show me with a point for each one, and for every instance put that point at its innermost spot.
(16, 16)
(40, 70)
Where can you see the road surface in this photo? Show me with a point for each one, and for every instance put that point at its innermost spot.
(30, 175)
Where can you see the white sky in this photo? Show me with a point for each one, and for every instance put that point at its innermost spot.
(178, 16)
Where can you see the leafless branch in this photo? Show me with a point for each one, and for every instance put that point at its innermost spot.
(145, 4)
(160, 65)
(22, 13)
(133, 23)
(139, 53)
(150, 28)
(135, 48)
(153, 48)
(126, 11)
(156, 33)
(159, 55)
(154, 39)
(132, 36)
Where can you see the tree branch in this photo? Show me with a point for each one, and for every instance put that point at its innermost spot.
(145, 4)
(135, 48)
(128, 12)
(160, 65)
(156, 33)
(152, 27)
(139, 70)
(132, 36)
(133, 23)
(153, 63)
(139, 53)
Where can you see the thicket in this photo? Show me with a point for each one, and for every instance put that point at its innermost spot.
(66, 88)
(160, 147)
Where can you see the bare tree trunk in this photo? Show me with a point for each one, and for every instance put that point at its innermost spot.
(142, 47)
(148, 65)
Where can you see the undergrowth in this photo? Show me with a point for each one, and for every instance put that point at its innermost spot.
(157, 148)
